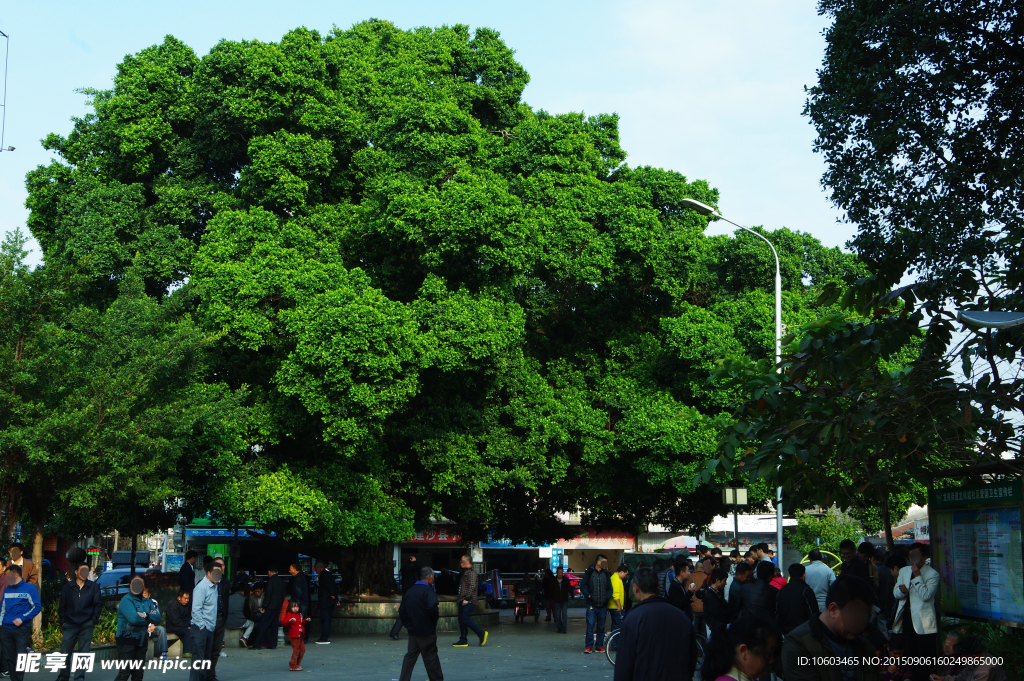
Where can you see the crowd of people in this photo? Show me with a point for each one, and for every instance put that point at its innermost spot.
(748, 619)
(752, 622)
(211, 608)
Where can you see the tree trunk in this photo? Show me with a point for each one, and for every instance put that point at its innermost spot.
(886, 521)
(373, 566)
(37, 559)
(365, 569)
(135, 545)
(10, 507)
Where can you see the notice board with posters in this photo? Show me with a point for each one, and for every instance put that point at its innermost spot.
(975, 537)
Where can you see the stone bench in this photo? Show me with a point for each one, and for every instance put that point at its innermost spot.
(231, 637)
(174, 647)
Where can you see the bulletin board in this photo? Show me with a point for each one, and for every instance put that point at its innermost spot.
(977, 549)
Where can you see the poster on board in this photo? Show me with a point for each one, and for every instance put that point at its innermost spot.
(978, 554)
(174, 562)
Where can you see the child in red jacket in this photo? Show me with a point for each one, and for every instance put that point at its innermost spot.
(295, 630)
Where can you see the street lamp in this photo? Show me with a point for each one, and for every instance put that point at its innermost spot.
(735, 497)
(980, 319)
(705, 209)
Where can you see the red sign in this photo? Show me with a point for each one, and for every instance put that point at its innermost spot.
(589, 539)
(434, 535)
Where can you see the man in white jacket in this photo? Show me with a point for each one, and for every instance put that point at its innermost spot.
(917, 585)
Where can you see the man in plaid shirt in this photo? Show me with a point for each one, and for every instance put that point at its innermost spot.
(467, 601)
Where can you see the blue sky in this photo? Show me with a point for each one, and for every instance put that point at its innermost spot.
(713, 90)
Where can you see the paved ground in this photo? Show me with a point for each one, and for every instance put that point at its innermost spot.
(515, 651)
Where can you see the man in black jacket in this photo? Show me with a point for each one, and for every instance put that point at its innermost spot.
(758, 595)
(79, 611)
(187, 575)
(326, 598)
(560, 590)
(796, 602)
(419, 614)
(852, 564)
(270, 613)
(410, 572)
(679, 593)
(179, 619)
(299, 590)
(649, 643)
(835, 634)
(717, 613)
(742, 577)
(596, 588)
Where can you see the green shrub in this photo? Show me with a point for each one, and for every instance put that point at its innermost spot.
(999, 641)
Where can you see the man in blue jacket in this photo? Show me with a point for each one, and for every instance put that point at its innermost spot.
(19, 607)
(79, 611)
(134, 615)
(419, 614)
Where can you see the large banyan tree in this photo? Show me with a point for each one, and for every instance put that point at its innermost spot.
(440, 301)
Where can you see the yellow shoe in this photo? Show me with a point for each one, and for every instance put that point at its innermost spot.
(483, 641)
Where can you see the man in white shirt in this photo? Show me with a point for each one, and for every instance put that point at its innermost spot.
(917, 585)
(819, 577)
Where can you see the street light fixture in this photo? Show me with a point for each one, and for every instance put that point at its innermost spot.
(981, 319)
(705, 209)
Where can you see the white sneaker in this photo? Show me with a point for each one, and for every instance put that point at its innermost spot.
(323, 643)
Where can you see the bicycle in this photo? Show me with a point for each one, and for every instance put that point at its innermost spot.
(610, 648)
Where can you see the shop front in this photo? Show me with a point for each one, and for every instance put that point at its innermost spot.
(437, 546)
(240, 546)
(509, 558)
(582, 550)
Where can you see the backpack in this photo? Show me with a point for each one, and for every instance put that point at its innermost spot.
(665, 581)
(585, 583)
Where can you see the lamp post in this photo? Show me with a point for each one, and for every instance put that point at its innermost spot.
(735, 497)
(705, 209)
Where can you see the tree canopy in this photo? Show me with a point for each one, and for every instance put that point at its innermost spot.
(442, 302)
(109, 419)
(918, 111)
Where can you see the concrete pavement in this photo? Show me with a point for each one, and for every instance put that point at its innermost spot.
(515, 651)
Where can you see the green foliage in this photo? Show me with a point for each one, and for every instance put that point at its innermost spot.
(999, 641)
(867, 510)
(840, 419)
(443, 302)
(105, 410)
(916, 113)
(914, 131)
(825, 531)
